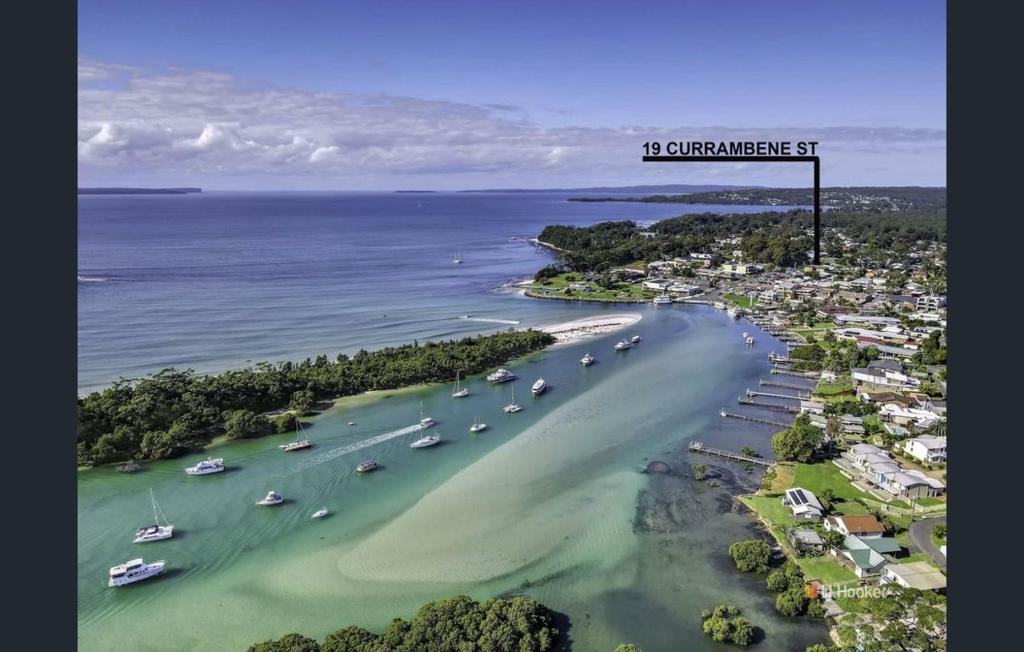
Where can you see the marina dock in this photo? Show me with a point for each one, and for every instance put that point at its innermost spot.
(698, 447)
(772, 383)
(751, 394)
(768, 406)
(812, 375)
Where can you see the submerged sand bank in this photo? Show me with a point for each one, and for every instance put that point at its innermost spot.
(578, 329)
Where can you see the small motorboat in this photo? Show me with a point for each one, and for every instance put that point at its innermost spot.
(367, 466)
(272, 498)
(634, 339)
(587, 360)
(501, 376)
(539, 387)
(662, 300)
(622, 345)
(320, 513)
(351, 423)
(425, 442)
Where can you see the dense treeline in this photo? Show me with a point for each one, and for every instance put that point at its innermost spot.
(458, 624)
(776, 238)
(170, 412)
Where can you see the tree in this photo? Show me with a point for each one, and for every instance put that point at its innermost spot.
(285, 422)
(742, 631)
(939, 531)
(302, 402)
(243, 423)
(776, 582)
(799, 442)
(827, 497)
(287, 643)
(699, 471)
(832, 538)
(751, 556)
(792, 601)
(627, 647)
(725, 625)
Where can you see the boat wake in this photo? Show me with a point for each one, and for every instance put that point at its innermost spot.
(513, 322)
(351, 448)
(92, 279)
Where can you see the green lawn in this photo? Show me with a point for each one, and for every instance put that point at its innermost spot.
(558, 286)
(826, 570)
(740, 300)
(771, 508)
(841, 387)
(818, 477)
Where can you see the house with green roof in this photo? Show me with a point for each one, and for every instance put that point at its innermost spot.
(865, 557)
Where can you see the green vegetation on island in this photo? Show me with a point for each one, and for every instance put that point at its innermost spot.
(458, 624)
(172, 411)
(725, 625)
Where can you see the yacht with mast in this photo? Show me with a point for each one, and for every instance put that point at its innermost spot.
(457, 260)
(299, 442)
(157, 531)
(207, 466)
(133, 571)
(426, 442)
(513, 406)
(272, 498)
(425, 422)
(459, 392)
(478, 426)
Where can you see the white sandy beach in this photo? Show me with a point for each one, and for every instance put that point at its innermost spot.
(578, 329)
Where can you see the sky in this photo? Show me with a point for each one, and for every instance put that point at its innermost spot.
(345, 95)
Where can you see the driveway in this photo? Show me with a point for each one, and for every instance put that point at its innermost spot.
(921, 536)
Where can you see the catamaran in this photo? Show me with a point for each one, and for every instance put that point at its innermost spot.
(425, 422)
(622, 345)
(135, 570)
(501, 376)
(459, 392)
(299, 443)
(513, 406)
(477, 426)
(539, 387)
(587, 360)
(207, 466)
(366, 466)
(424, 442)
(272, 498)
(154, 532)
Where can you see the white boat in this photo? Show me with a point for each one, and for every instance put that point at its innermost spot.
(719, 305)
(635, 339)
(622, 345)
(320, 513)
(539, 387)
(513, 406)
(299, 443)
(459, 392)
(425, 442)
(272, 498)
(662, 300)
(745, 335)
(135, 570)
(735, 312)
(207, 466)
(425, 422)
(155, 532)
(477, 426)
(366, 466)
(501, 376)
(750, 341)
(587, 360)
(458, 257)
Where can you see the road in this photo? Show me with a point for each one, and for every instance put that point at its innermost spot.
(921, 536)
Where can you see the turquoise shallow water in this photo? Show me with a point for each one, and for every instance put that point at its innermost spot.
(549, 502)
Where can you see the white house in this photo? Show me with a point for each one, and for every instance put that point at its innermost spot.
(914, 575)
(803, 504)
(925, 448)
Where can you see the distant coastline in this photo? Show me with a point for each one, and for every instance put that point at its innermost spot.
(138, 191)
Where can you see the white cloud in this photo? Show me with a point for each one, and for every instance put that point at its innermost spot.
(205, 128)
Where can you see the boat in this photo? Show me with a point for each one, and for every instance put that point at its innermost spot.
(501, 376)
(459, 392)
(272, 498)
(635, 339)
(477, 426)
(735, 312)
(133, 571)
(320, 513)
(299, 443)
(425, 422)
(622, 345)
(719, 305)
(366, 466)
(587, 360)
(425, 442)
(750, 341)
(131, 466)
(207, 466)
(745, 335)
(351, 423)
(662, 300)
(458, 258)
(154, 532)
(513, 406)
(539, 387)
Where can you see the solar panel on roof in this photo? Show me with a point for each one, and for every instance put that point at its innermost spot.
(799, 497)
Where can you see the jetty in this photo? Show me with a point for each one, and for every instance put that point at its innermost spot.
(772, 383)
(699, 447)
(751, 394)
(768, 406)
(747, 417)
(813, 375)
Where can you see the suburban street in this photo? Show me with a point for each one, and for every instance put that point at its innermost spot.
(921, 536)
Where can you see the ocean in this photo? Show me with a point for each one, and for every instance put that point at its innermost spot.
(552, 502)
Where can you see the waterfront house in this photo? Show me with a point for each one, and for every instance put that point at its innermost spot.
(914, 575)
(656, 284)
(864, 556)
(925, 448)
(803, 504)
(910, 484)
(862, 526)
(804, 540)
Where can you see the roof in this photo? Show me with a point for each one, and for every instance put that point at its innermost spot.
(918, 575)
(929, 442)
(865, 523)
(809, 537)
(799, 498)
(882, 544)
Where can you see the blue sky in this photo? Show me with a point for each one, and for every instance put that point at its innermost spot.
(501, 93)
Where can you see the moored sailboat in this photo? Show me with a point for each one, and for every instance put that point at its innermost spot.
(155, 532)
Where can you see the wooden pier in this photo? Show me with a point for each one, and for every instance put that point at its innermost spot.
(812, 375)
(698, 447)
(747, 417)
(751, 394)
(772, 383)
(789, 409)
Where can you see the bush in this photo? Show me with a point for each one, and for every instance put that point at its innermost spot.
(777, 582)
(939, 531)
(627, 647)
(699, 471)
(284, 422)
(791, 602)
(243, 423)
(287, 643)
(725, 625)
(751, 556)
(302, 402)
(799, 442)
